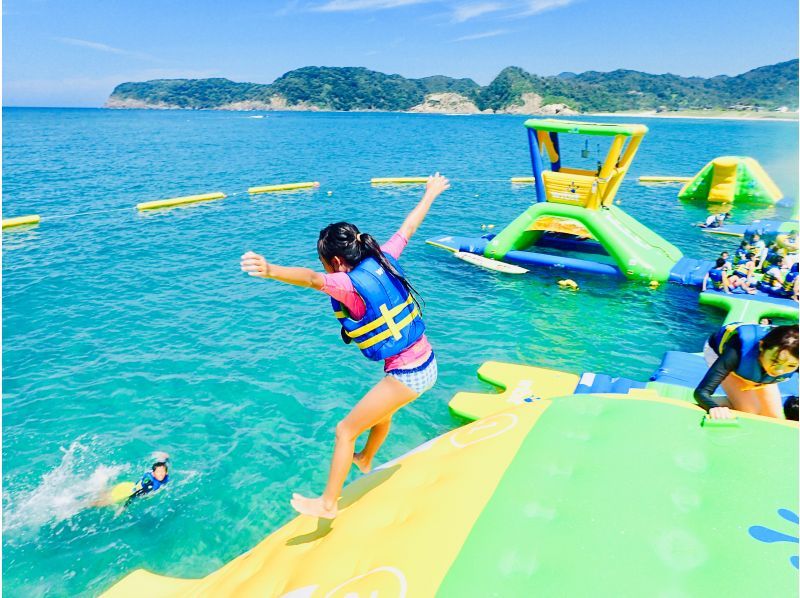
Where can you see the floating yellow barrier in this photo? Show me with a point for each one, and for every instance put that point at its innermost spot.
(522, 179)
(408, 180)
(21, 220)
(177, 201)
(664, 179)
(286, 187)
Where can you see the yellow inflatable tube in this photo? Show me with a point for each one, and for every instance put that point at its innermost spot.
(177, 201)
(664, 179)
(522, 179)
(286, 187)
(21, 221)
(408, 180)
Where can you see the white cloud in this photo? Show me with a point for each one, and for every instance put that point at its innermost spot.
(351, 5)
(104, 48)
(534, 7)
(288, 8)
(465, 12)
(483, 35)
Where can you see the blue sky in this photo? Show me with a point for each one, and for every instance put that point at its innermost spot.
(58, 53)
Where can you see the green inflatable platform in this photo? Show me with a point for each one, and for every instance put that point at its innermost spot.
(637, 251)
(630, 497)
(731, 179)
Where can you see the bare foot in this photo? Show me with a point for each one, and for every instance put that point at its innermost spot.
(362, 463)
(315, 507)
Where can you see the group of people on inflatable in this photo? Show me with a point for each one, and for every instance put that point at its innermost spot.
(757, 266)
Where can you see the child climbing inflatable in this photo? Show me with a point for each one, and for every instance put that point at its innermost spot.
(749, 361)
(377, 309)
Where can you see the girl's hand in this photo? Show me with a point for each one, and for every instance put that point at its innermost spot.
(720, 413)
(255, 265)
(436, 185)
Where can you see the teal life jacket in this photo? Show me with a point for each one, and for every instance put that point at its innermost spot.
(392, 321)
(750, 336)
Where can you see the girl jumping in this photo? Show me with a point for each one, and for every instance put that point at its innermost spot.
(378, 310)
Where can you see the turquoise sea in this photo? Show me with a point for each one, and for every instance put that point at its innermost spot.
(126, 333)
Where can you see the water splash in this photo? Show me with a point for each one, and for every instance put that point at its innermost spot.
(61, 494)
(769, 535)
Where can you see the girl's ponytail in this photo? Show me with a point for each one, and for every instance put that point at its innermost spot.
(345, 241)
(372, 249)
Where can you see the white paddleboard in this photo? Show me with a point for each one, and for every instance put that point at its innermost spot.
(489, 264)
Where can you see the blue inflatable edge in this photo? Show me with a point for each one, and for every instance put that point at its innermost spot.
(477, 245)
(688, 369)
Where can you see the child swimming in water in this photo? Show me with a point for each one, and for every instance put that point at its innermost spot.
(151, 481)
(377, 309)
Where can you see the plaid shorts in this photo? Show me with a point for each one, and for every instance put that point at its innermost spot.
(420, 378)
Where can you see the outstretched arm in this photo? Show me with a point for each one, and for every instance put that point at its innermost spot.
(435, 186)
(255, 265)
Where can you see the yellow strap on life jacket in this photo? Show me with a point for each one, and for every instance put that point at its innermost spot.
(388, 332)
(730, 330)
(390, 323)
(385, 317)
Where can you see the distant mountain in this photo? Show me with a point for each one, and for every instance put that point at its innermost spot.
(513, 90)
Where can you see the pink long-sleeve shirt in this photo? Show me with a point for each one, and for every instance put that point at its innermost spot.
(339, 286)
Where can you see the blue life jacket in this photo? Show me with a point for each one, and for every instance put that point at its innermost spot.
(392, 321)
(715, 276)
(788, 282)
(749, 366)
(148, 483)
(772, 258)
(740, 254)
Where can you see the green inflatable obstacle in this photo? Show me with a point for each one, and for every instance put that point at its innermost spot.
(637, 251)
(577, 204)
(731, 179)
